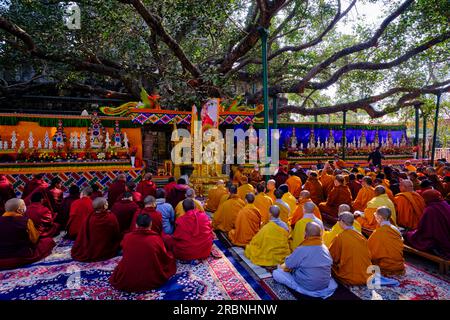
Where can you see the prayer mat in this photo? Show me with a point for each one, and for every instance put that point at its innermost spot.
(58, 277)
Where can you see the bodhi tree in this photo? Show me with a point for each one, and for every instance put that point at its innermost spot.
(190, 50)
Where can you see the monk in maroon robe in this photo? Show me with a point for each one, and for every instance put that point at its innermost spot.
(147, 187)
(193, 236)
(56, 194)
(178, 193)
(117, 188)
(20, 243)
(145, 264)
(96, 193)
(433, 232)
(79, 211)
(137, 196)
(42, 217)
(124, 210)
(63, 217)
(99, 237)
(155, 215)
(354, 185)
(33, 184)
(6, 192)
(170, 185)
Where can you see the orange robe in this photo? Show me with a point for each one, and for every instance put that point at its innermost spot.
(298, 213)
(244, 189)
(271, 194)
(410, 207)
(411, 168)
(327, 183)
(369, 221)
(225, 216)
(351, 258)
(294, 184)
(386, 250)
(365, 194)
(315, 188)
(237, 178)
(263, 202)
(339, 195)
(214, 196)
(248, 222)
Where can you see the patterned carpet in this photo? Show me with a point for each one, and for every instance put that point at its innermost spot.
(58, 277)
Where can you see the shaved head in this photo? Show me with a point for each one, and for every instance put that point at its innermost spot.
(274, 211)
(340, 179)
(312, 230)
(250, 197)
(347, 218)
(244, 180)
(367, 180)
(344, 208)
(380, 190)
(308, 207)
(190, 193)
(406, 186)
(384, 213)
(271, 184)
(305, 194)
(220, 183)
(13, 204)
(99, 203)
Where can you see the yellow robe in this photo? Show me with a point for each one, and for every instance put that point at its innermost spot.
(365, 194)
(369, 221)
(284, 211)
(386, 250)
(269, 247)
(214, 196)
(329, 236)
(244, 189)
(271, 194)
(351, 258)
(179, 211)
(298, 213)
(225, 216)
(248, 223)
(290, 200)
(411, 168)
(294, 184)
(298, 234)
(263, 202)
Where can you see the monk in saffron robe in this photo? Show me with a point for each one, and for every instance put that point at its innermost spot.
(190, 194)
(365, 194)
(353, 185)
(285, 209)
(79, 211)
(255, 177)
(288, 198)
(410, 167)
(339, 195)
(263, 203)
(41, 216)
(177, 193)
(145, 264)
(225, 216)
(155, 215)
(124, 210)
(367, 218)
(214, 196)
(270, 189)
(327, 180)
(6, 191)
(388, 191)
(298, 233)
(244, 188)
(386, 245)
(294, 184)
(298, 213)
(350, 254)
(19, 240)
(432, 233)
(248, 223)
(147, 187)
(409, 205)
(328, 236)
(238, 176)
(116, 189)
(33, 184)
(270, 246)
(63, 217)
(193, 235)
(99, 237)
(314, 186)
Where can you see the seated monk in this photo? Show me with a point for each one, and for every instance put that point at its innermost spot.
(150, 209)
(314, 186)
(350, 253)
(6, 191)
(171, 183)
(225, 216)
(214, 196)
(327, 179)
(244, 188)
(63, 217)
(308, 269)
(193, 235)
(285, 210)
(99, 236)
(365, 194)
(386, 245)
(270, 246)
(79, 211)
(116, 189)
(19, 240)
(263, 203)
(270, 189)
(381, 199)
(409, 205)
(177, 193)
(298, 233)
(388, 191)
(288, 198)
(96, 192)
(42, 217)
(433, 230)
(354, 185)
(294, 184)
(124, 210)
(409, 166)
(166, 210)
(238, 176)
(190, 194)
(255, 177)
(56, 194)
(147, 187)
(248, 223)
(328, 236)
(298, 213)
(145, 264)
(136, 196)
(339, 195)
(33, 184)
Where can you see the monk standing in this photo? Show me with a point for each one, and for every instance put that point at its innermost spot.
(116, 189)
(79, 211)
(214, 196)
(248, 223)
(314, 186)
(225, 216)
(145, 264)
(350, 253)
(298, 213)
(263, 203)
(409, 205)
(99, 236)
(294, 184)
(386, 245)
(339, 195)
(244, 188)
(147, 187)
(365, 194)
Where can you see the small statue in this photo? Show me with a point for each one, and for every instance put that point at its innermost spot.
(107, 140)
(46, 140)
(5, 145)
(1, 145)
(60, 137)
(96, 132)
(75, 140)
(50, 144)
(312, 139)
(294, 140)
(125, 140)
(83, 140)
(39, 146)
(22, 145)
(13, 140)
(117, 136)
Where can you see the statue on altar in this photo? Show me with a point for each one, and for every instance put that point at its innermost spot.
(117, 135)
(60, 137)
(403, 140)
(377, 139)
(96, 132)
(390, 141)
(293, 141)
(331, 141)
(363, 139)
(312, 139)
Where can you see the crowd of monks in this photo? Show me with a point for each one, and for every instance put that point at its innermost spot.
(313, 228)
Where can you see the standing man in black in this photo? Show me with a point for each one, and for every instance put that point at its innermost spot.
(376, 157)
